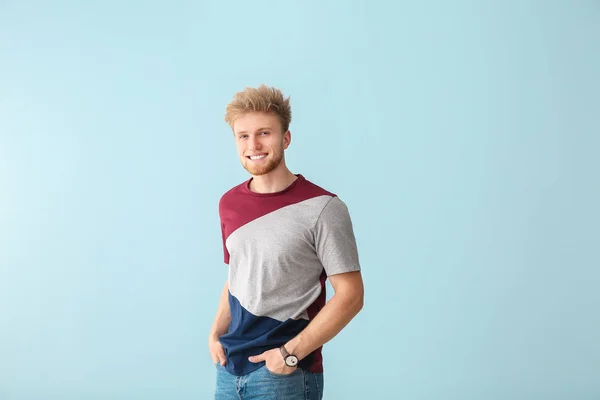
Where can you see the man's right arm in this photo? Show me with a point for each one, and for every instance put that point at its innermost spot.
(219, 328)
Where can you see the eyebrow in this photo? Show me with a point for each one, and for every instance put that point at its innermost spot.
(265, 128)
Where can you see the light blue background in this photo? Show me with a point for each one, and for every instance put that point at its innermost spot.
(464, 137)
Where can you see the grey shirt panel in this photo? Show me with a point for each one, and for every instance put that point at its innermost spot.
(276, 260)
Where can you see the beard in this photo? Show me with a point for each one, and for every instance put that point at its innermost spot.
(265, 168)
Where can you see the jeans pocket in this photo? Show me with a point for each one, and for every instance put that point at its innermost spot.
(276, 375)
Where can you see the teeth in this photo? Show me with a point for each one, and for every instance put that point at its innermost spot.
(258, 157)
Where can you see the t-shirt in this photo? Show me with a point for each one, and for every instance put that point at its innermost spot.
(280, 247)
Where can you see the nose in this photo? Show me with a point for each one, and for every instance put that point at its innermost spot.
(254, 143)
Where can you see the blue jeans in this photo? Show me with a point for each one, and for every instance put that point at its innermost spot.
(263, 384)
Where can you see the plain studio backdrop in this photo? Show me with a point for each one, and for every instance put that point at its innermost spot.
(464, 137)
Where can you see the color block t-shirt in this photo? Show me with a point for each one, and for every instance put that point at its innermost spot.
(280, 247)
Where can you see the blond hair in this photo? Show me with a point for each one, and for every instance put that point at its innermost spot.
(261, 99)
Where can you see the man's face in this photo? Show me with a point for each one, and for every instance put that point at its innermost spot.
(260, 142)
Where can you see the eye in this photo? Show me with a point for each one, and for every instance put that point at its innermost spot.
(264, 133)
(243, 136)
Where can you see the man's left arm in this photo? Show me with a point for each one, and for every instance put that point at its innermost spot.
(343, 306)
(333, 317)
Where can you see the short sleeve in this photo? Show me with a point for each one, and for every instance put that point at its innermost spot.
(335, 242)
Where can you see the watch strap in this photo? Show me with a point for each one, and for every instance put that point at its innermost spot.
(284, 352)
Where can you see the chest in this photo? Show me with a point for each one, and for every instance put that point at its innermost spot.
(276, 236)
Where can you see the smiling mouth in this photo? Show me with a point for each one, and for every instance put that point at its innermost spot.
(257, 157)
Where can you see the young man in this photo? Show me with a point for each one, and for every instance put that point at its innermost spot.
(283, 236)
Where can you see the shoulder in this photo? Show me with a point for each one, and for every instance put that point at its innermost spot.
(310, 187)
(331, 205)
(335, 209)
(232, 195)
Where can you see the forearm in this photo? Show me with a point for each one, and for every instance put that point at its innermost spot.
(332, 318)
(223, 317)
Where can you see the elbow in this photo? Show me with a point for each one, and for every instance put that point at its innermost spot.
(360, 301)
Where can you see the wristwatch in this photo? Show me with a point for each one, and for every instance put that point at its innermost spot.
(290, 360)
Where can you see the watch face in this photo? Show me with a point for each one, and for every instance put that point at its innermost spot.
(291, 361)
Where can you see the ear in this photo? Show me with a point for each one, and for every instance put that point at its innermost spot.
(287, 139)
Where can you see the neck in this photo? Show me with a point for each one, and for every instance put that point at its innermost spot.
(275, 181)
